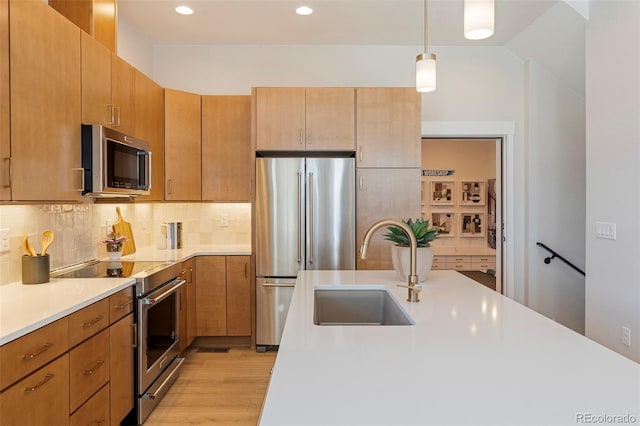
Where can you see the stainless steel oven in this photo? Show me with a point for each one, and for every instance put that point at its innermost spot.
(158, 336)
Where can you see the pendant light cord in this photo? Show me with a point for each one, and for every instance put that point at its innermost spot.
(425, 26)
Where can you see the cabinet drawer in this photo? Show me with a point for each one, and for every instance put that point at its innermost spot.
(41, 398)
(30, 352)
(88, 321)
(120, 304)
(439, 265)
(93, 412)
(439, 259)
(88, 369)
(458, 259)
(459, 266)
(483, 259)
(483, 266)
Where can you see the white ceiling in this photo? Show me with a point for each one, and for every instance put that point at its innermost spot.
(346, 22)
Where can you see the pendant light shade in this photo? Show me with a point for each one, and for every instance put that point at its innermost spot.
(479, 17)
(426, 72)
(426, 63)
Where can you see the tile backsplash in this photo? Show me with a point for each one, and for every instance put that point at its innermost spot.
(80, 227)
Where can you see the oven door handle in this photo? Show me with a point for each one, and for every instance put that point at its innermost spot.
(172, 288)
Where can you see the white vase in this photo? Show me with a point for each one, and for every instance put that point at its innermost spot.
(400, 260)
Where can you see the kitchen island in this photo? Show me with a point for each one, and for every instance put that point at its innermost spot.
(473, 357)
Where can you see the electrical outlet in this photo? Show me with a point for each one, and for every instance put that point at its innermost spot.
(4, 240)
(224, 220)
(626, 336)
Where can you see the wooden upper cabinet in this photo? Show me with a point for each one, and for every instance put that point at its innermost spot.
(388, 127)
(330, 118)
(97, 18)
(122, 95)
(96, 82)
(149, 124)
(45, 103)
(226, 148)
(182, 145)
(298, 119)
(5, 141)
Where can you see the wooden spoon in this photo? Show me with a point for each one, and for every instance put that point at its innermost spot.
(46, 239)
(27, 247)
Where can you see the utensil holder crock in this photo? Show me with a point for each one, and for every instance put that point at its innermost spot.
(35, 269)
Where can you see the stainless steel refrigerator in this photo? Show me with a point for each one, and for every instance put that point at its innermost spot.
(305, 219)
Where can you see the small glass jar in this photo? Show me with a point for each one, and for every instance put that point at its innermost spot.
(114, 250)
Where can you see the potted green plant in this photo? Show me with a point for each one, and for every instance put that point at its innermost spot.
(400, 252)
(114, 245)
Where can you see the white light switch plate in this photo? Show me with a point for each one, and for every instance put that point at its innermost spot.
(4, 240)
(606, 230)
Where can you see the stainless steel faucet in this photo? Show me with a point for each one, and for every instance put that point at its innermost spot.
(412, 280)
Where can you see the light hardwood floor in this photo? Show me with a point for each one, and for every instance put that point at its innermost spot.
(216, 389)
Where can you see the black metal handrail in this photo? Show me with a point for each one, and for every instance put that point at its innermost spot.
(554, 255)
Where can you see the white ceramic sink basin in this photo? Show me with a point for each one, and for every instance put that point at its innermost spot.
(357, 305)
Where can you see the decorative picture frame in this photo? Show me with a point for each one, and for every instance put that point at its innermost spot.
(444, 222)
(442, 193)
(472, 193)
(472, 224)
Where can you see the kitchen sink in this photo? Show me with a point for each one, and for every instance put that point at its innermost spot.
(340, 305)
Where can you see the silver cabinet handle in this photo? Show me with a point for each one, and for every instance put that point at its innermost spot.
(361, 182)
(93, 321)
(267, 284)
(33, 388)
(117, 110)
(93, 369)
(81, 170)
(9, 172)
(360, 154)
(170, 186)
(135, 335)
(44, 348)
(301, 136)
(310, 189)
(112, 118)
(246, 274)
(124, 305)
(299, 218)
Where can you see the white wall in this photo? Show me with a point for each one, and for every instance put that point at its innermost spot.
(133, 47)
(613, 143)
(556, 196)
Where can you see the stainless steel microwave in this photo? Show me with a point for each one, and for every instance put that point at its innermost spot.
(115, 165)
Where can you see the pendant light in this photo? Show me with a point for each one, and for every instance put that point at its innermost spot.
(479, 17)
(425, 63)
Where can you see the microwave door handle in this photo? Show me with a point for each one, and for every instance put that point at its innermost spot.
(148, 171)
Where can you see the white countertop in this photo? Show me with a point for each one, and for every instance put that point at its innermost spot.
(25, 308)
(473, 357)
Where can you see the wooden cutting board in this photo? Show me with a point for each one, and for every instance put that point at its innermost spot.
(123, 227)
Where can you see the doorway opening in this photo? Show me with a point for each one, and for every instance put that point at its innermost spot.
(462, 196)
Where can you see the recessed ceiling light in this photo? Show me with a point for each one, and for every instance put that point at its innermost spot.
(304, 10)
(184, 10)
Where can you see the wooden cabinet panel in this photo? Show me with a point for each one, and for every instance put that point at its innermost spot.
(96, 82)
(95, 17)
(238, 295)
(182, 147)
(93, 412)
(5, 141)
(88, 321)
(211, 296)
(388, 127)
(41, 398)
(182, 318)
(189, 266)
(45, 84)
(384, 194)
(330, 119)
(149, 122)
(88, 369)
(24, 355)
(226, 148)
(121, 343)
(122, 95)
(280, 118)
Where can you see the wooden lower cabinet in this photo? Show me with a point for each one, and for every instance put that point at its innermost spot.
(41, 398)
(187, 325)
(88, 369)
(95, 411)
(121, 343)
(223, 294)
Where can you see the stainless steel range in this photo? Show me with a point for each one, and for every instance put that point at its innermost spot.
(157, 318)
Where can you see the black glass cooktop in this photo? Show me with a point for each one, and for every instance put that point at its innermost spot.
(109, 269)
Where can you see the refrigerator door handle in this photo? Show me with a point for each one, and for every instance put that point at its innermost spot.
(310, 191)
(299, 217)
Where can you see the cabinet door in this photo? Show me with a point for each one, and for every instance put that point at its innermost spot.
(211, 294)
(122, 95)
(280, 119)
(149, 121)
(388, 127)
(5, 141)
(95, 17)
(88, 369)
(45, 103)
(41, 398)
(330, 119)
(182, 319)
(189, 266)
(95, 411)
(96, 82)
(121, 357)
(384, 194)
(226, 148)
(182, 148)
(239, 295)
